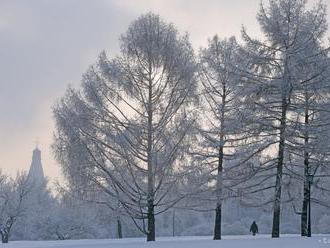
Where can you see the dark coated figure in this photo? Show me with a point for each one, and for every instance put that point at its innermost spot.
(254, 228)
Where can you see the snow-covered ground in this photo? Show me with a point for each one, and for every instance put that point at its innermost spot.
(260, 241)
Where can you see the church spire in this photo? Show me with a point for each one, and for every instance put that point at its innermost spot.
(36, 173)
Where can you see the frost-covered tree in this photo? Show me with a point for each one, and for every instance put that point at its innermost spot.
(14, 194)
(39, 207)
(309, 145)
(126, 130)
(226, 135)
(72, 219)
(273, 78)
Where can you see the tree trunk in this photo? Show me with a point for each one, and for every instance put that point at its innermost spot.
(306, 173)
(218, 209)
(151, 222)
(279, 173)
(6, 230)
(217, 224)
(309, 227)
(4, 237)
(304, 211)
(173, 223)
(119, 229)
(150, 200)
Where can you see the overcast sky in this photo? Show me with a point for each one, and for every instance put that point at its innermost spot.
(47, 44)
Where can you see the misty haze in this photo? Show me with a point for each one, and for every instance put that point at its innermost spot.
(170, 123)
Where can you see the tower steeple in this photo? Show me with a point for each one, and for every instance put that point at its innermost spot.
(36, 173)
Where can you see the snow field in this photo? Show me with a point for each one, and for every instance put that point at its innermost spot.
(261, 241)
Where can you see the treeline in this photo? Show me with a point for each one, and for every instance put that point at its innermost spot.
(160, 127)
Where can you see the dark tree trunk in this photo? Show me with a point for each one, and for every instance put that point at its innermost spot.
(150, 201)
(309, 226)
(218, 210)
(217, 226)
(151, 222)
(304, 212)
(279, 173)
(306, 173)
(4, 237)
(173, 223)
(277, 204)
(6, 230)
(119, 229)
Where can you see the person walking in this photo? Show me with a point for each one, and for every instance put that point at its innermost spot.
(254, 228)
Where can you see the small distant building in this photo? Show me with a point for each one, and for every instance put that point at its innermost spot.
(36, 172)
(39, 203)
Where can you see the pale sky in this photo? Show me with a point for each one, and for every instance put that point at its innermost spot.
(47, 44)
